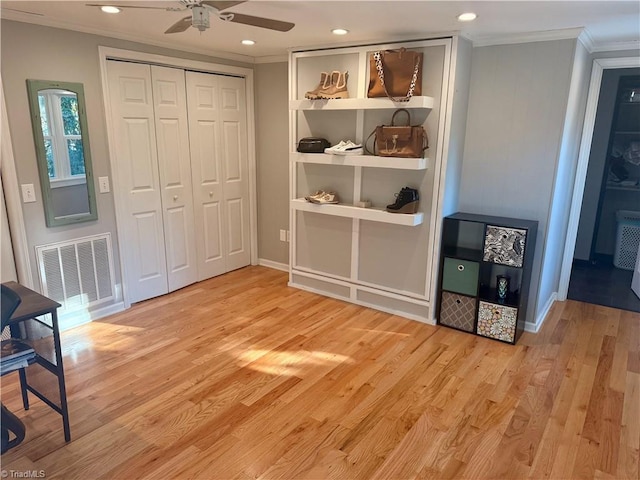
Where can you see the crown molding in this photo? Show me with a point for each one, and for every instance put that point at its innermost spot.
(582, 34)
(617, 46)
(587, 40)
(529, 37)
(592, 47)
(271, 59)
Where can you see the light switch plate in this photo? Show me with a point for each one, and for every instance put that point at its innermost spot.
(103, 183)
(28, 193)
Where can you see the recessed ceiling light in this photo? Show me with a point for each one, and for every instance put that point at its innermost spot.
(467, 17)
(339, 31)
(248, 42)
(110, 9)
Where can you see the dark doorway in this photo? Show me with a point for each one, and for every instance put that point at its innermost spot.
(607, 237)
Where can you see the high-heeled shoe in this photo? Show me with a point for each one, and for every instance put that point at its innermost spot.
(407, 201)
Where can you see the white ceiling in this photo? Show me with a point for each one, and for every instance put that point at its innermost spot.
(608, 24)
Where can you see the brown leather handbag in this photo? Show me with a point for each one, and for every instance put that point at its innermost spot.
(396, 74)
(399, 140)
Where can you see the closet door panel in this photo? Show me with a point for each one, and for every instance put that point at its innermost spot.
(212, 232)
(178, 251)
(204, 129)
(174, 160)
(137, 135)
(235, 233)
(151, 258)
(137, 178)
(232, 152)
(233, 194)
(210, 204)
(218, 136)
(206, 133)
(235, 172)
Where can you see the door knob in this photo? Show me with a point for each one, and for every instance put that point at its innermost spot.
(175, 197)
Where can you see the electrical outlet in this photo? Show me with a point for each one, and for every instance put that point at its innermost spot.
(283, 235)
(103, 183)
(28, 193)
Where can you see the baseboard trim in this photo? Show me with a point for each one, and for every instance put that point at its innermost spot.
(372, 306)
(76, 318)
(275, 265)
(535, 327)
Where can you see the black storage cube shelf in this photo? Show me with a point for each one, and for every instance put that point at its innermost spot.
(475, 251)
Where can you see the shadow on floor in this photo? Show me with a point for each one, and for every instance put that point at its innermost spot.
(603, 284)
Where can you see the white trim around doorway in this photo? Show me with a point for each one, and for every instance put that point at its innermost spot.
(599, 65)
(13, 202)
(108, 53)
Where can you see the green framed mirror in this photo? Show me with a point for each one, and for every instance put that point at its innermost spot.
(61, 135)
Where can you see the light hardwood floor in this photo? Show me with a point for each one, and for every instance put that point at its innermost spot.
(243, 377)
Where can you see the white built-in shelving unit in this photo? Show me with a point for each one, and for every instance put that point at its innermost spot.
(369, 256)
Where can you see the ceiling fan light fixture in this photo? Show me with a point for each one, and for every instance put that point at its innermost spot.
(467, 17)
(248, 42)
(339, 31)
(200, 18)
(110, 9)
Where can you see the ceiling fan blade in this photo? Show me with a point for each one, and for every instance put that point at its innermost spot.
(222, 5)
(180, 25)
(258, 21)
(23, 11)
(122, 6)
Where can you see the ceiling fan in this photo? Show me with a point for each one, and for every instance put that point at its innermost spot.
(200, 13)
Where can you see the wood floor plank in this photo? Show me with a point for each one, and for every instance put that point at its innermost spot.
(242, 377)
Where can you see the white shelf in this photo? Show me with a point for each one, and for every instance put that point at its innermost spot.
(361, 161)
(360, 104)
(349, 211)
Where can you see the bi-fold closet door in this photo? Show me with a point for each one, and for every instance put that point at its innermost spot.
(181, 166)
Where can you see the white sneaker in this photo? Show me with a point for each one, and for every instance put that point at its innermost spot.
(345, 148)
(336, 148)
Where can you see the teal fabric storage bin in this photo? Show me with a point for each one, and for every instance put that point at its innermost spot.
(460, 276)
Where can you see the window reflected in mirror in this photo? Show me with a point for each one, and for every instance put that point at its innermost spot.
(62, 146)
(60, 123)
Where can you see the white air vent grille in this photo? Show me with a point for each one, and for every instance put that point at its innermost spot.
(77, 273)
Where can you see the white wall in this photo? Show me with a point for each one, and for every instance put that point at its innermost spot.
(272, 156)
(517, 110)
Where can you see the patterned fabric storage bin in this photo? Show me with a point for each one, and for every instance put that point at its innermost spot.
(458, 311)
(460, 276)
(504, 246)
(497, 321)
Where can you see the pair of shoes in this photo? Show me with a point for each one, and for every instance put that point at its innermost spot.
(333, 85)
(321, 197)
(345, 148)
(406, 201)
